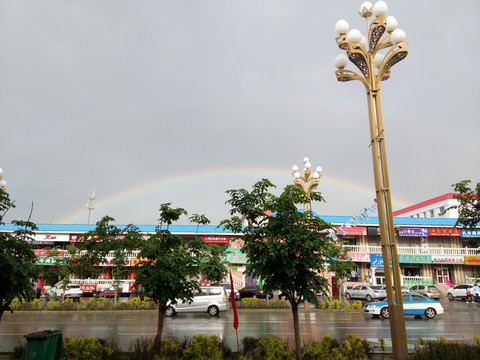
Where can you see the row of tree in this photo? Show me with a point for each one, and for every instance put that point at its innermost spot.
(289, 249)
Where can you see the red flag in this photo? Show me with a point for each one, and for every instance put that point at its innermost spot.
(40, 285)
(449, 283)
(234, 306)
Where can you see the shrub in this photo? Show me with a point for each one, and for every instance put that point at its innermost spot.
(142, 348)
(85, 348)
(270, 348)
(441, 350)
(203, 348)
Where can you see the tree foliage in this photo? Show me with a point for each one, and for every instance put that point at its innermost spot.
(469, 204)
(288, 248)
(17, 259)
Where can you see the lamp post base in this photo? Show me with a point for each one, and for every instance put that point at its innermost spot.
(398, 332)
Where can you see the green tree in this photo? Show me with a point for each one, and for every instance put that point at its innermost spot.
(17, 259)
(469, 204)
(288, 248)
(170, 265)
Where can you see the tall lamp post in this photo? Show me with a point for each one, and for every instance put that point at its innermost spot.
(306, 181)
(375, 67)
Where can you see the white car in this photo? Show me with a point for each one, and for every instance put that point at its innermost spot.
(459, 291)
(366, 292)
(210, 299)
(72, 291)
(413, 304)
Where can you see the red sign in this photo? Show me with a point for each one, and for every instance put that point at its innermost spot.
(216, 239)
(351, 230)
(49, 252)
(443, 232)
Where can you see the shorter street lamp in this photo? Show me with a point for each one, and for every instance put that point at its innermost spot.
(3, 183)
(306, 181)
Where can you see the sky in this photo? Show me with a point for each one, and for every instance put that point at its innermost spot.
(148, 102)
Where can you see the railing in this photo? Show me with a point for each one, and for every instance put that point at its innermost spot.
(417, 250)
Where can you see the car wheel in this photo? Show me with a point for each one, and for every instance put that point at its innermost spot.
(430, 313)
(450, 297)
(213, 310)
(170, 311)
(385, 313)
(348, 296)
(369, 298)
(470, 298)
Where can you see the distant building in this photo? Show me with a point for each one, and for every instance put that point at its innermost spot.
(433, 208)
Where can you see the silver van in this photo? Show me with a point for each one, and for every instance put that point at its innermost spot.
(210, 299)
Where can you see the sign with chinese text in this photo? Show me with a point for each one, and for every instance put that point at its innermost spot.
(214, 239)
(471, 233)
(447, 259)
(47, 253)
(51, 237)
(443, 232)
(359, 257)
(352, 230)
(414, 232)
(415, 259)
(472, 260)
(51, 260)
(236, 256)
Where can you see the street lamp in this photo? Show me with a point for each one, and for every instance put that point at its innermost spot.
(375, 67)
(306, 181)
(3, 183)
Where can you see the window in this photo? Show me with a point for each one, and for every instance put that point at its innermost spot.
(417, 298)
(432, 213)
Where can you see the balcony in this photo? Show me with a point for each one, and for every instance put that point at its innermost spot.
(418, 250)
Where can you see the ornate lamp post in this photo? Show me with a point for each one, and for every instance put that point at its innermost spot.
(3, 183)
(375, 67)
(306, 181)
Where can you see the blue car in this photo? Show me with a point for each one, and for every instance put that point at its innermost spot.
(413, 304)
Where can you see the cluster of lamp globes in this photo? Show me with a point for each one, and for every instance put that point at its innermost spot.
(3, 183)
(306, 161)
(368, 10)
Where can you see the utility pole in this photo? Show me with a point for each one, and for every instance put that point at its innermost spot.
(91, 203)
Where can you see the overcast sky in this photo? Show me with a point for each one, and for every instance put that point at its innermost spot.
(149, 102)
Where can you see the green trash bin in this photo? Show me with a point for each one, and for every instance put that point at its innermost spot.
(44, 345)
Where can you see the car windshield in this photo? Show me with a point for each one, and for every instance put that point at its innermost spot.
(376, 287)
(432, 288)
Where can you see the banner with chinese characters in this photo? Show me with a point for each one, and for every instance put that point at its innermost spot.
(471, 233)
(352, 230)
(472, 260)
(47, 253)
(412, 232)
(215, 239)
(415, 259)
(447, 259)
(50, 237)
(50, 260)
(236, 256)
(359, 257)
(443, 231)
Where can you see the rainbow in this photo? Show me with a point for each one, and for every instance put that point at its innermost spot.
(276, 175)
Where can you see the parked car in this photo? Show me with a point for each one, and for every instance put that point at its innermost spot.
(413, 304)
(228, 289)
(427, 290)
(210, 299)
(459, 291)
(72, 291)
(366, 292)
(252, 291)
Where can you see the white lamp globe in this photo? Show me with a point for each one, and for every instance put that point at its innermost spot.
(294, 168)
(391, 23)
(341, 61)
(316, 175)
(318, 169)
(364, 41)
(306, 159)
(366, 8)
(379, 59)
(308, 165)
(354, 35)
(341, 27)
(3, 184)
(1, 171)
(398, 35)
(296, 175)
(379, 9)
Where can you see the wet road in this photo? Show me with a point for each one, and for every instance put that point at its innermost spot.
(461, 322)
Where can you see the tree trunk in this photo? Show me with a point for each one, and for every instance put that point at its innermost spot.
(296, 328)
(158, 338)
